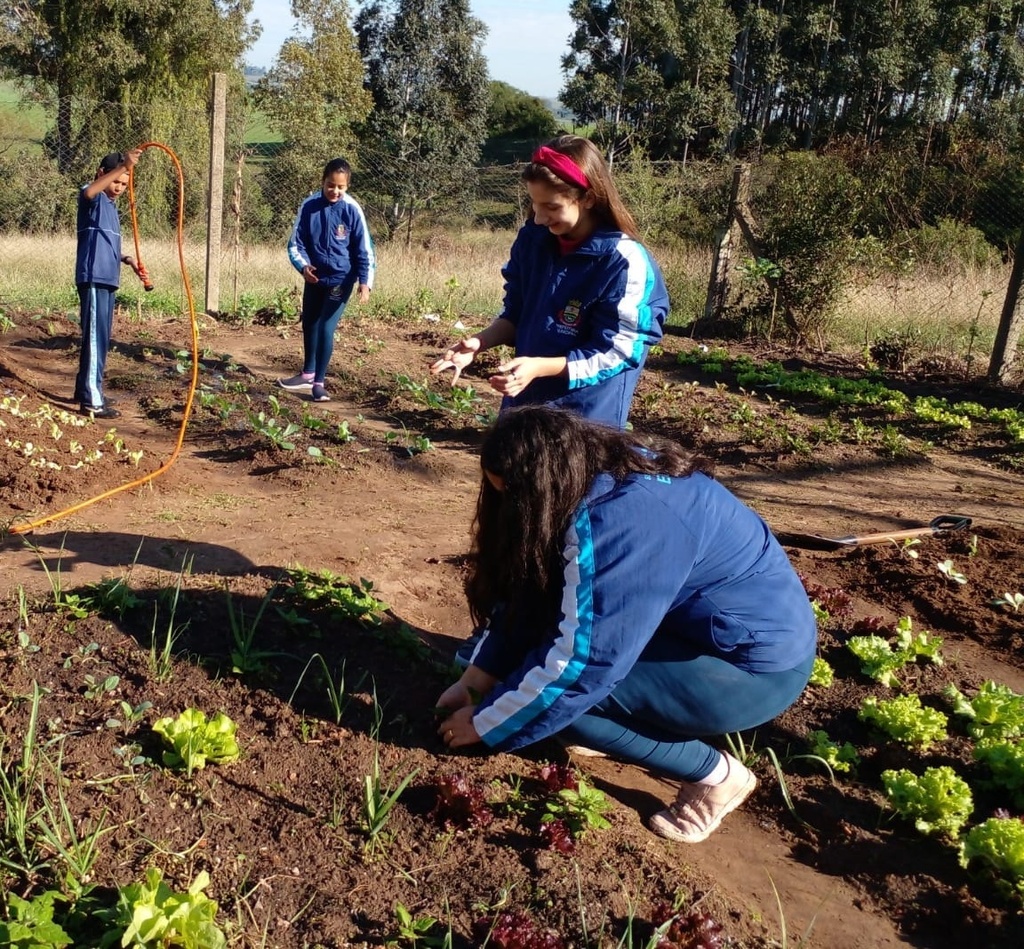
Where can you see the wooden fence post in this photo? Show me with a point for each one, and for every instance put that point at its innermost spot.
(215, 207)
(725, 239)
(1011, 322)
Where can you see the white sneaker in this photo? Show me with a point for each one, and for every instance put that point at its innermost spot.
(698, 809)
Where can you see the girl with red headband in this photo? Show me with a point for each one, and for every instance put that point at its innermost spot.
(584, 301)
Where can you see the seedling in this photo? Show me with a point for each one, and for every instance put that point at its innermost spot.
(906, 548)
(948, 569)
(419, 931)
(245, 658)
(96, 689)
(378, 802)
(1015, 601)
(334, 685)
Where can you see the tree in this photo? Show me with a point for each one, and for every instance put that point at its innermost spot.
(652, 75)
(133, 53)
(428, 77)
(516, 123)
(314, 97)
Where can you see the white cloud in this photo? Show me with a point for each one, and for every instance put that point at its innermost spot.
(525, 42)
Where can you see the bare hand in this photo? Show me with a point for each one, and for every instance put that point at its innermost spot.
(309, 274)
(457, 358)
(364, 293)
(513, 377)
(131, 157)
(457, 731)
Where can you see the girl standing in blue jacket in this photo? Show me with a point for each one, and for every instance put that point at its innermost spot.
(636, 608)
(584, 301)
(331, 247)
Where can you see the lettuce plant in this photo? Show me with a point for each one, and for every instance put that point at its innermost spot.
(822, 674)
(997, 847)
(837, 757)
(881, 658)
(1005, 760)
(193, 740)
(938, 801)
(150, 913)
(996, 711)
(904, 719)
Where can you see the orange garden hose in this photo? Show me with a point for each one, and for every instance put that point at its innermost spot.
(31, 525)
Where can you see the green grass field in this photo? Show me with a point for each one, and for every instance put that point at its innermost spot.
(21, 122)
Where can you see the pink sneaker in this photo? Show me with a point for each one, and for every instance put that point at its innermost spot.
(698, 809)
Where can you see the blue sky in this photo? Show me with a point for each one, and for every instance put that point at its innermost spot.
(525, 40)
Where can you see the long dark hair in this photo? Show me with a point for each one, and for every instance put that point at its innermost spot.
(609, 208)
(547, 459)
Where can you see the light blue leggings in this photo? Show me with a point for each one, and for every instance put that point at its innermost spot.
(670, 700)
(321, 310)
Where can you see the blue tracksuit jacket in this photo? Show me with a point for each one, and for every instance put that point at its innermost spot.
(333, 238)
(98, 258)
(601, 307)
(649, 557)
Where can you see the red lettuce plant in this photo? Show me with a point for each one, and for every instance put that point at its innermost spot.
(693, 930)
(460, 805)
(515, 931)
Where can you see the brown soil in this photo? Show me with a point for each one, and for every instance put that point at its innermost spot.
(280, 831)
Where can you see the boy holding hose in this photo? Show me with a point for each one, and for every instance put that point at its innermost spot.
(98, 275)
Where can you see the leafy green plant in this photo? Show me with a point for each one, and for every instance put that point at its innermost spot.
(31, 924)
(580, 808)
(270, 428)
(938, 801)
(97, 688)
(1005, 761)
(193, 741)
(419, 930)
(882, 659)
(1015, 601)
(150, 913)
(822, 674)
(997, 847)
(996, 711)
(344, 599)
(948, 569)
(904, 719)
(838, 757)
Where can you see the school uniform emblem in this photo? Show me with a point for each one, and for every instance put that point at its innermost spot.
(570, 316)
(341, 232)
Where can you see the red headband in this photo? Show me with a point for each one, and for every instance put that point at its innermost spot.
(562, 165)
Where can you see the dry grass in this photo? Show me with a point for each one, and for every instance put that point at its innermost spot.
(459, 273)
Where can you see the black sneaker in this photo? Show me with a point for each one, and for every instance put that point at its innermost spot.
(99, 411)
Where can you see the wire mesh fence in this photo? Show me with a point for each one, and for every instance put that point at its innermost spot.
(931, 261)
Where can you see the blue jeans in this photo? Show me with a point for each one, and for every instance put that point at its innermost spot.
(321, 310)
(672, 698)
(97, 317)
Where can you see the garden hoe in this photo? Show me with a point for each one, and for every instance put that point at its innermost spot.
(942, 524)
